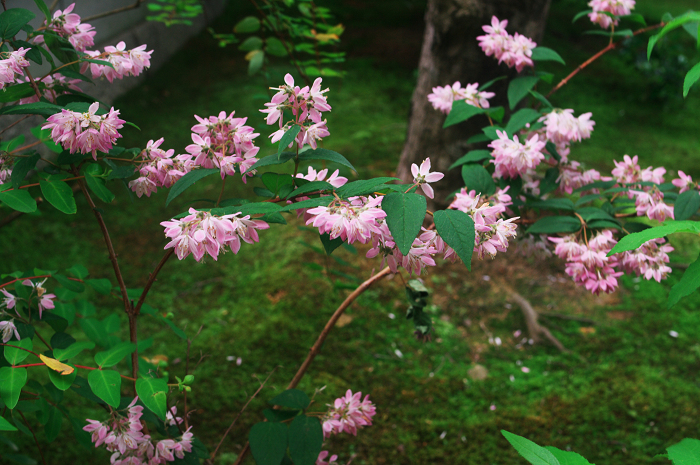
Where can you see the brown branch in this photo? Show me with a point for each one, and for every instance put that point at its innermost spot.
(151, 280)
(112, 12)
(533, 327)
(602, 52)
(316, 348)
(43, 460)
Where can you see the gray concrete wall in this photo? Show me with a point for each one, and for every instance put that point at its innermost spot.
(129, 26)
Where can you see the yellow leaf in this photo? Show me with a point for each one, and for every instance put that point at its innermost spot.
(249, 56)
(55, 365)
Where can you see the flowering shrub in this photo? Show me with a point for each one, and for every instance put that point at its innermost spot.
(532, 175)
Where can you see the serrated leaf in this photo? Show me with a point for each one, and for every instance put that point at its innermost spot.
(361, 187)
(268, 442)
(633, 241)
(546, 54)
(404, 217)
(329, 245)
(269, 160)
(14, 355)
(288, 138)
(12, 20)
(327, 155)
(457, 230)
(313, 186)
(116, 354)
(686, 452)
(533, 453)
(552, 204)
(555, 224)
(36, 108)
(477, 178)
(461, 111)
(274, 182)
(291, 398)
(310, 203)
(305, 440)
(688, 283)
(520, 118)
(593, 213)
(12, 380)
(58, 194)
(519, 88)
(19, 200)
(567, 457)
(472, 156)
(691, 16)
(185, 182)
(152, 392)
(16, 92)
(106, 384)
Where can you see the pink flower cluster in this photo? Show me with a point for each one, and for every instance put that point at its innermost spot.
(321, 460)
(124, 437)
(306, 105)
(5, 172)
(162, 169)
(124, 62)
(334, 179)
(648, 199)
(513, 158)
(202, 233)
(589, 265)
(348, 414)
(12, 66)
(44, 300)
(562, 128)
(442, 98)
(571, 177)
(50, 92)
(514, 51)
(492, 231)
(67, 24)
(85, 132)
(615, 7)
(224, 142)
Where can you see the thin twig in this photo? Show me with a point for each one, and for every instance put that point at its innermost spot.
(151, 280)
(16, 122)
(43, 460)
(112, 12)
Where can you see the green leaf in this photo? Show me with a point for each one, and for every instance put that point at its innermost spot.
(546, 54)
(541, 98)
(22, 167)
(552, 204)
(310, 203)
(16, 356)
(361, 187)
(12, 20)
(64, 51)
(53, 425)
(472, 156)
(152, 392)
(580, 14)
(497, 113)
(36, 108)
(288, 138)
(120, 172)
(533, 453)
(633, 241)
(688, 283)
(691, 16)
(186, 182)
(253, 208)
(43, 8)
(247, 25)
(491, 82)
(75, 286)
(11, 382)
(58, 194)
(93, 329)
(327, 155)
(63, 382)
(555, 224)
(268, 442)
(461, 111)
(686, 205)
(97, 185)
(274, 182)
(305, 440)
(329, 245)
(256, 62)
(567, 457)
(596, 185)
(492, 132)
(62, 340)
(686, 452)
(178, 332)
(111, 357)
(16, 92)
(250, 44)
(691, 78)
(6, 425)
(457, 230)
(19, 200)
(603, 224)
(106, 384)
(593, 213)
(79, 271)
(73, 350)
(312, 186)
(476, 177)
(291, 398)
(519, 87)
(279, 415)
(275, 47)
(520, 118)
(404, 217)
(272, 160)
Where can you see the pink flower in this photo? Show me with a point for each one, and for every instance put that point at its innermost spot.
(684, 182)
(422, 176)
(45, 300)
(12, 66)
(124, 62)
(348, 414)
(322, 456)
(616, 7)
(513, 158)
(10, 299)
(7, 329)
(514, 51)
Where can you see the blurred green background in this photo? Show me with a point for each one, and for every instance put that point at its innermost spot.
(624, 392)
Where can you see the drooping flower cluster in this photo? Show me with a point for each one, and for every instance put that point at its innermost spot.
(44, 300)
(513, 158)
(163, 168)
(202, 233)
(571, 176)
(224, 142)
(353, 220)
(492, 231)
(348, 414)
(124, 62)
(85, 132)
(67, 24)
(6, 164)
(649, 260)
(442, 98)
(514, 51)
(51, 90)
(124, 437)
(615, 7)
(12, 65)
(562, 127)
(649, 200)
(306, 105)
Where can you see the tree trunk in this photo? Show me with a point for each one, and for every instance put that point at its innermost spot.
(451, 53)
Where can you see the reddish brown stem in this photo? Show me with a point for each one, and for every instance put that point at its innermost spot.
(34, 277)
(27, 186)
(151, 280)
